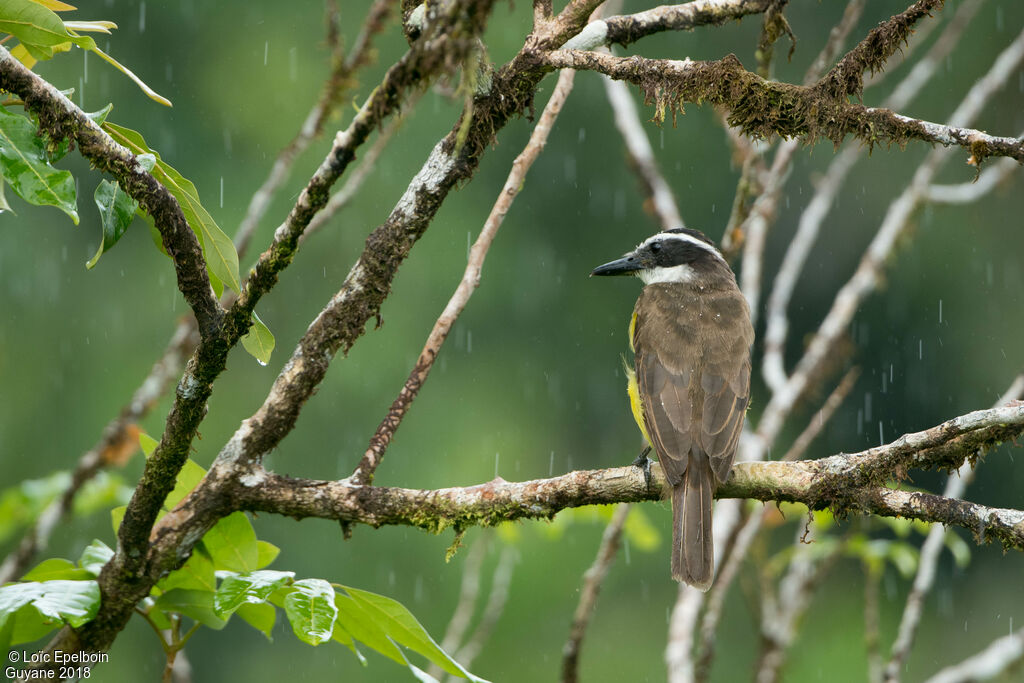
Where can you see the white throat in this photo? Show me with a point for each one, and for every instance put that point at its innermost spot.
(681, 273)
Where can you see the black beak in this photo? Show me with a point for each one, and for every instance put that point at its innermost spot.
(627, 265)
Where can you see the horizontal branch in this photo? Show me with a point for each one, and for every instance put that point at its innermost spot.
(845, 483)
(762, 108)
(629, 28)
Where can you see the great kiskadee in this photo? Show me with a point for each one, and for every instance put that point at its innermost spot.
(691, 336)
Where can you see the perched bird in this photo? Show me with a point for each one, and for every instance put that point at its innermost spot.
(691, 336)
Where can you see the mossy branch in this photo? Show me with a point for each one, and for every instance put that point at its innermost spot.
(762, 108)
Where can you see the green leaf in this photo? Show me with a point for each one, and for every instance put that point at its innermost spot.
(98, 117)
(401, 626)
(24, 163)
(56, 602)
(148, 444)
(188, 478)
(261, 617)
(218, 249)
(117, 210)
(4, 206)
(232, 544)
(311, 610)
(117, 516)
(56, 568)
(253, 588)
(21, 504)
(259, 341)
(32, 24)
(195, 604)
(359, 625)
(95, 555)
(266, 553)
(196, 574)
(100, 493)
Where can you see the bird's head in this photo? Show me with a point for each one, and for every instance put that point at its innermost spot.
(680, 255)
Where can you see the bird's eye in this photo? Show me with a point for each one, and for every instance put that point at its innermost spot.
(655, 246)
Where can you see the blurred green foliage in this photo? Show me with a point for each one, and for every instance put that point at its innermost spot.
(529, 383)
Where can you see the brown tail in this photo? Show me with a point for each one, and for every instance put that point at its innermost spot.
(693, 553)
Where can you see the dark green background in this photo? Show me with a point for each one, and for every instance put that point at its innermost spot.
(529, 383)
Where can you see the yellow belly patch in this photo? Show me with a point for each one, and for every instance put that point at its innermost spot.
(632, 388)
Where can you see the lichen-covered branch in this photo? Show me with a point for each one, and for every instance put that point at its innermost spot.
(629, 28)
(846, 483)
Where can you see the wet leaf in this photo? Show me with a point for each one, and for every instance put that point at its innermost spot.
(56, 568)
(117, 210)
(219, 251)
(259, 341)
(311, 610)
(261, 617)
(25, 164)
(249, 588)
(95, 555)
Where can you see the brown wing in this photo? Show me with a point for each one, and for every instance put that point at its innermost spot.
(693, 371)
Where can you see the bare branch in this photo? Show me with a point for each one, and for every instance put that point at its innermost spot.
(592, 580)
(623, 30)
(847, 483)
(762, 108)
(470, 280)
(966, 193)
(995, 659)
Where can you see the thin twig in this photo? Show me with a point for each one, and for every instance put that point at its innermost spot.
(991, 662)
(781, 615)
(968, 193)
(470, 281)
(592, 580)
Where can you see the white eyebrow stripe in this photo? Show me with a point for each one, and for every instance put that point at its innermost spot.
(685, 238)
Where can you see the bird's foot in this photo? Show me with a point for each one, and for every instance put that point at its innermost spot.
(644, 463)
